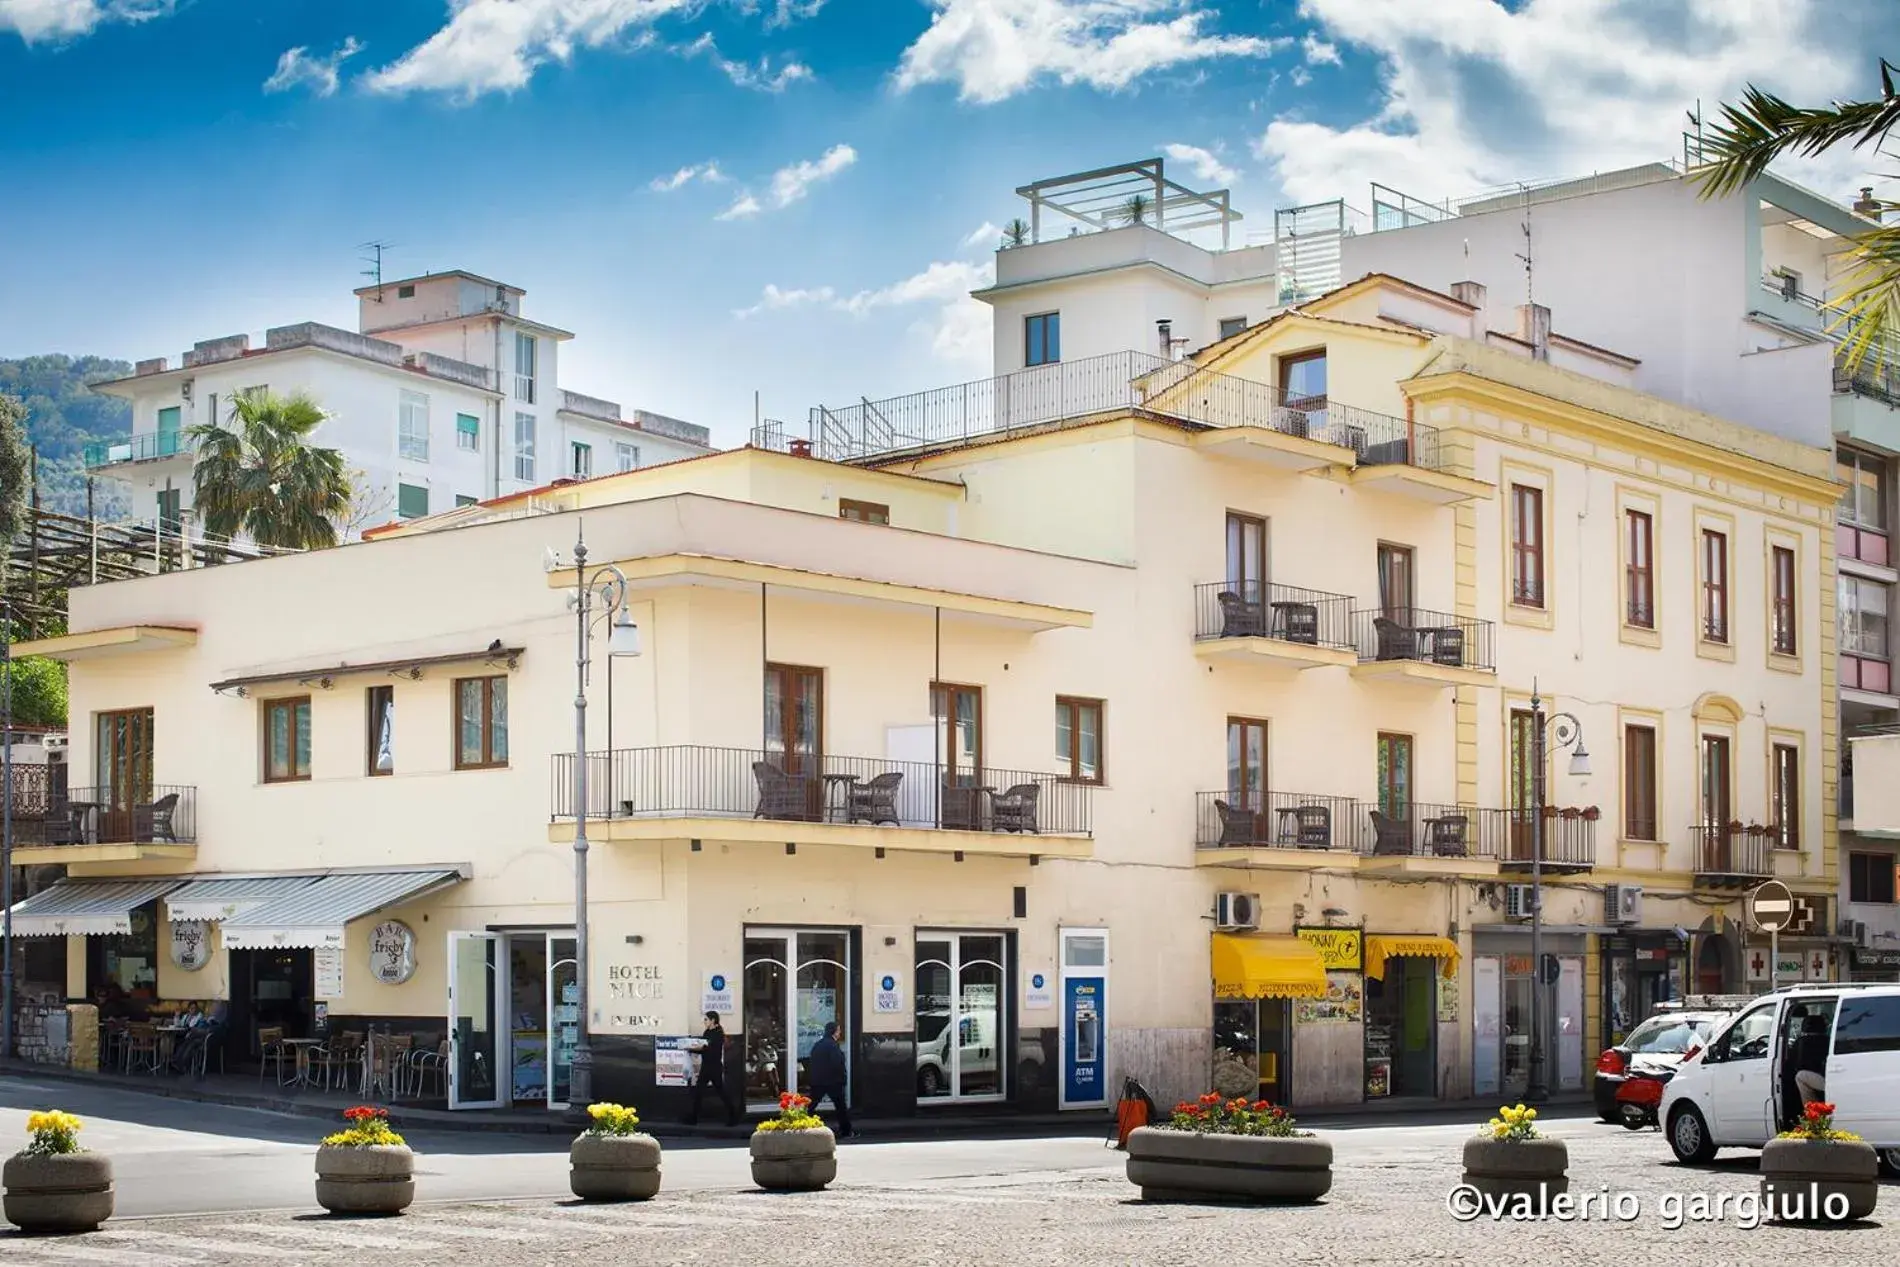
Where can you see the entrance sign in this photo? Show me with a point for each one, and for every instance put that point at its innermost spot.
(326, 965)
(673, 1061)
(191, 944)
(889, 996)
(717, 996)
(1040, 996)
(392, 952)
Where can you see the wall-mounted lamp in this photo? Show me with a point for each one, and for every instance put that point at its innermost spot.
(890, 941)
(635, 939)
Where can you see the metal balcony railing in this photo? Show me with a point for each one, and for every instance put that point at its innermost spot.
(1412, 633)
(1291, 820)
(1302, 820)
(1253, 609)
(691, 781)
(164, 814)
(142, 447)
(1731, 854)
(1049, 395)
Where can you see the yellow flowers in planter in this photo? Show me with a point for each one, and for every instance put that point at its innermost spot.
(54, 1133)
(1517, 1123)
(368, 1128)
(613, 1119)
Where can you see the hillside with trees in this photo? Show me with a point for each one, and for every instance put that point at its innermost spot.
(63, 415)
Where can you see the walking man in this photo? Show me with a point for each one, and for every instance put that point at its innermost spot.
(712, 1071)
(828, 1077)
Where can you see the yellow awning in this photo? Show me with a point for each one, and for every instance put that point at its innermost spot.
(1267, 968)
(1380, 947)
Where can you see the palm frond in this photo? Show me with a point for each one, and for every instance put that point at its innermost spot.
(261, 476)
(1764, 127)
(1869, 321)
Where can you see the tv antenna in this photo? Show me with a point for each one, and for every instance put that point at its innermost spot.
(375, 261)
(1525, 254)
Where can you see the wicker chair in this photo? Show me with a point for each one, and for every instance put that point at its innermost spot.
(1240, 618)
(1015, 810)
(1448, 835)
(1396, 641)
(1448, 647)
(1237, 826)
(61, 826)
(154, 821)
(1313, 827)
(875, 799)
(1390, 835)
(781, 795)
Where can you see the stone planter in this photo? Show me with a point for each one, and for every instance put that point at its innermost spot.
(1799, 1176)
(1185, 1166)
(1535, 1168)
(66, 1192)
(375, 1180)
(794, 1161)
(614, 1167)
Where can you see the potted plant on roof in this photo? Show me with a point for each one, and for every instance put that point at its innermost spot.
(1217, 1149)
(613, 1159)
(795, 1151)
(365, 1168)
(1817, 1174)
(1508, 1158)
(54, 1185)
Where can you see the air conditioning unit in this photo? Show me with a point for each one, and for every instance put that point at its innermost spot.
(1237, 910)
(1517, 901)
(1623, 904)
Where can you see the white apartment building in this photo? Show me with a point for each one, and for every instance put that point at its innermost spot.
(1718, 304)
(444, 395)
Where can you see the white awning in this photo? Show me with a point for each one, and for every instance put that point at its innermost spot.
(221, 898)
(314, 915)
(87, 906)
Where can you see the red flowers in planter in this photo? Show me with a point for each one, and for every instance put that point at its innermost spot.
(363, 1113)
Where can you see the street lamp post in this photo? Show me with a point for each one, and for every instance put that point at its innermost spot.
(608, 586)
(6, 842)
(1566, 732)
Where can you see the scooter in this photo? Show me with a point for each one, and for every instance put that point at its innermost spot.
(1639, 1099)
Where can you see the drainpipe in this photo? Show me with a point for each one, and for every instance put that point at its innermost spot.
(501, 405)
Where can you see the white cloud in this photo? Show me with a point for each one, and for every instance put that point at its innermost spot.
(761, 77)
(706, 173)
(957, 327)
(50, 21)
(791, 183)
(772, 298)
(994, 49)
(1202, 163)
(1469, 103)
(1300, 76)
(790, 11)
(744, 207)
(985, 234)
(496, 45)
(1319, 52)
(297, 66)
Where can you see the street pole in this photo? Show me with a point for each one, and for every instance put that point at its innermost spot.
(1540, 1080)
(581, 1072)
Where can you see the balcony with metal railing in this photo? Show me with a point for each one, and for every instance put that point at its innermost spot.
(144, 446)
(61, 824)
(1427, 648)
(1732, 855)
(693, 791)
(1295, 821)
(1276, 625)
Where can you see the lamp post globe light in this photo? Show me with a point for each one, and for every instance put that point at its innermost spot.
(1565, 731)
(598, 595)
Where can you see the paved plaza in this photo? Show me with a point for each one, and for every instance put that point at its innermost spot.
(968, 1203)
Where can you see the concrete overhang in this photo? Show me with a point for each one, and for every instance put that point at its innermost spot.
(847, 835)
(121, 640)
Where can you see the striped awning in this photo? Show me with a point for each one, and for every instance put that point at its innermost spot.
(314, 915)
(223, 897)
(87, 906)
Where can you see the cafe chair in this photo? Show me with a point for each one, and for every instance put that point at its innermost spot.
(1015, 809)
(271, 1049)
(154, 821)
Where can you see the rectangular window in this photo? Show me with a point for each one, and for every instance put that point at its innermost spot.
(1247, 556)
(1395, 775)
(863, 512)
(1042, 339)
(1231, 326)
(1639, 783)
(287, 739)
(1303, 381)
(1523, 773)
(1079, 738)
(257, 392)
(1527, 545)
(170, 517)
(412, 439)
(412, 501)
(524, 367)
(381, 737)
(1785, 809)
(1717, 804)
(1640, 606)
(1863, 500)
(524, 448)
(1784, 614)
(170, 423)
(1247, 763)
(1395, 582)
(405, 292)
(1870, 878)
(1714, 586)
(1867, 1024)
(468, 433)
(1863, 617)
(583, 461)
(463, 499)
(626, 457)
(481, 722)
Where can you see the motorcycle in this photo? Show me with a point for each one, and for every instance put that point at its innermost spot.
(1639, 1099)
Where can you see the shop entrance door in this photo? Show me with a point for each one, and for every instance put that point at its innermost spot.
(1517, 1027)
(1252, 1041)
(543, 1009)
(475, 1047)
(796, 980)
(963, 1020)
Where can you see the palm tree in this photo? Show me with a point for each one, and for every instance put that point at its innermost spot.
(261, 477)
(1135, 210)
(1763, 128)
(1015, 233)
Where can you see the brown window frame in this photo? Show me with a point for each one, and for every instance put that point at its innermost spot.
(1784, 793)
(1639, 611)
(864, 512)
(1397, 562)
(1713, 745)
(1244, 727)
(488, 761)
(269, 707)
(1785, 640)
(1527, 546)
(1388, 804)
(1639, 782)
(1077, 704)
(1866, 865)
(1311, 404)
(373, 733)
(1249, 534)
(1715, 613)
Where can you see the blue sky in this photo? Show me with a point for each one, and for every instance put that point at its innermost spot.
(182, 169)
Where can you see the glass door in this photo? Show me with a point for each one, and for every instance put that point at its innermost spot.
(565, 1010)
(1247, 557)
(959, 714)
(473, 1014)
(795, 728)
(1517, 1028)
(1523, 789)
(1247, 769)
(1395, 583)
(962, 1016)
(796, 983)
(123, 755)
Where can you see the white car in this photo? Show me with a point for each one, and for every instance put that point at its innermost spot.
(1740, 1090)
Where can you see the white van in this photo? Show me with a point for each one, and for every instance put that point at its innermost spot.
(1740, 1090)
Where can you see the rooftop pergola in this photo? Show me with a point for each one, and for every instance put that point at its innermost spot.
(1099, 199)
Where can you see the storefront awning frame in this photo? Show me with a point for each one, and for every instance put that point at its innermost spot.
(314, 917)
(88, 907)
(1383, 946)
(1266, 966)
(217, 898)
